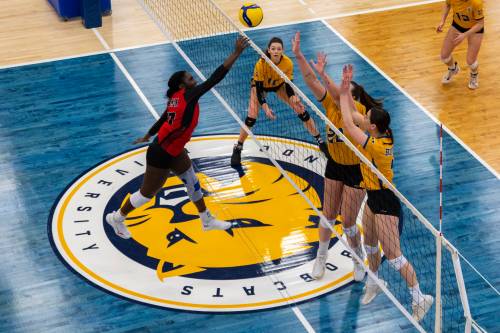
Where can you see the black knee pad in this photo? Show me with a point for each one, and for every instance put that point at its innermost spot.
(304, 116)
(250, 121)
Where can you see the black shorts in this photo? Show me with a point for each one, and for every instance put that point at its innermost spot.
(350, 175)
(157, 157)
(463, 30)
(384, 202)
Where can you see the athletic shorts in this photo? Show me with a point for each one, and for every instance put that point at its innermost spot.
(384, 202)
(350, 175)
(157, 157)
(463, 30)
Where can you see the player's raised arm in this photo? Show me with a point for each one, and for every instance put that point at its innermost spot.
(307, 72)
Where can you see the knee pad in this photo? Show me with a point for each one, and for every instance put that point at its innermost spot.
(447, 60)
(370, 250)
(474, 66)
(305, 116)
(351, 231)
(398, 263)
(137, 199)
(250, 122)
(192, 184)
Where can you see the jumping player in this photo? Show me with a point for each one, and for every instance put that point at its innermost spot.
(166, 153)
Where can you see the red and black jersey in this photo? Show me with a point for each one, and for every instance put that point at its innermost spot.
(176, 125)
(173, 134)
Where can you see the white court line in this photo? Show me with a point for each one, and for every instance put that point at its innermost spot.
(127, 75)
(413, 100)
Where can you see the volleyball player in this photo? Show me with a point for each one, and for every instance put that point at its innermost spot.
(382, 211)
(265, 80)
(342, 191)
(468, 23)
(166, 153)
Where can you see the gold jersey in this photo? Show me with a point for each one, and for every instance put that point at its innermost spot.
(380, 152)
(265, 73)
(338, 150)
(466, 12)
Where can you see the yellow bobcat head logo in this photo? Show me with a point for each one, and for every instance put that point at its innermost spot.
(270, 222)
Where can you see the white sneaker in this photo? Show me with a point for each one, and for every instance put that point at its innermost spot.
(473, 81)
(371, 291)
(450, 74)
(118, 226)
(319, 266)
(421, 308)
(211, 223)
(359, 272)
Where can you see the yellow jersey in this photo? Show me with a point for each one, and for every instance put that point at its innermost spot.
(265, 73)
(380, 152)
(338, 150)
(466, 12)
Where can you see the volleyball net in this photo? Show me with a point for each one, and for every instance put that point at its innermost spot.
(204, 35)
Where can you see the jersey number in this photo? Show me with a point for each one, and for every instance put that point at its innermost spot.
(170, 117)
(462, 17)
(332, 137)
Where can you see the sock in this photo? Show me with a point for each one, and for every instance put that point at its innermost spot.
(205, 217)
(239, 145)
(359, 251)
(370, 281)
(415, 293)
(318, 138)
(323, 248)
(119, 216)
(453, 67)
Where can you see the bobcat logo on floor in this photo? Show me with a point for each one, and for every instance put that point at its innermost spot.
(263, 261)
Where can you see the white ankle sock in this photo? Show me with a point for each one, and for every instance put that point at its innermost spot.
(415, 293)
(371, 281)
(323, 248)
(119, 216)
(359, 251)
(205, 216)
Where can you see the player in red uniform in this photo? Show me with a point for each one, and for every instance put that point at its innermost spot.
(166, 153)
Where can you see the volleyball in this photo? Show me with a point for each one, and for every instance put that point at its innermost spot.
(251, 14)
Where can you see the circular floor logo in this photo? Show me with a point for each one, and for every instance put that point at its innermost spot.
(263, 261)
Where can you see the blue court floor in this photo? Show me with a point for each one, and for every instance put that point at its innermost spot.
(58, 119)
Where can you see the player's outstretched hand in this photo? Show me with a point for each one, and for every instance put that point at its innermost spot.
(269, 113)
(320, 63)
(440, 27)
(142, 140)
(347, 73)
(296, 43)
(241, 44)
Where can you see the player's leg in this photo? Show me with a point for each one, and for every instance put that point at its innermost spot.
(154, 178)
(352, 198)
(306, 119)
(447, 56)
(183, 168)
(388, 234)
(473, 48)
(371, 289)
(331, 205)
(253, 111)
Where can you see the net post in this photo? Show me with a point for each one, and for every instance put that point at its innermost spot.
(461, 289)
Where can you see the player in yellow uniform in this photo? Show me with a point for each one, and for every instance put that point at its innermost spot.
(382, 210)
(342, 191)
(468, 23)
(266, 79)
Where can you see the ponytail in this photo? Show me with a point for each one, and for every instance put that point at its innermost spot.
(359, 93)
(273, 40)
(381, 118)
(174, 83)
